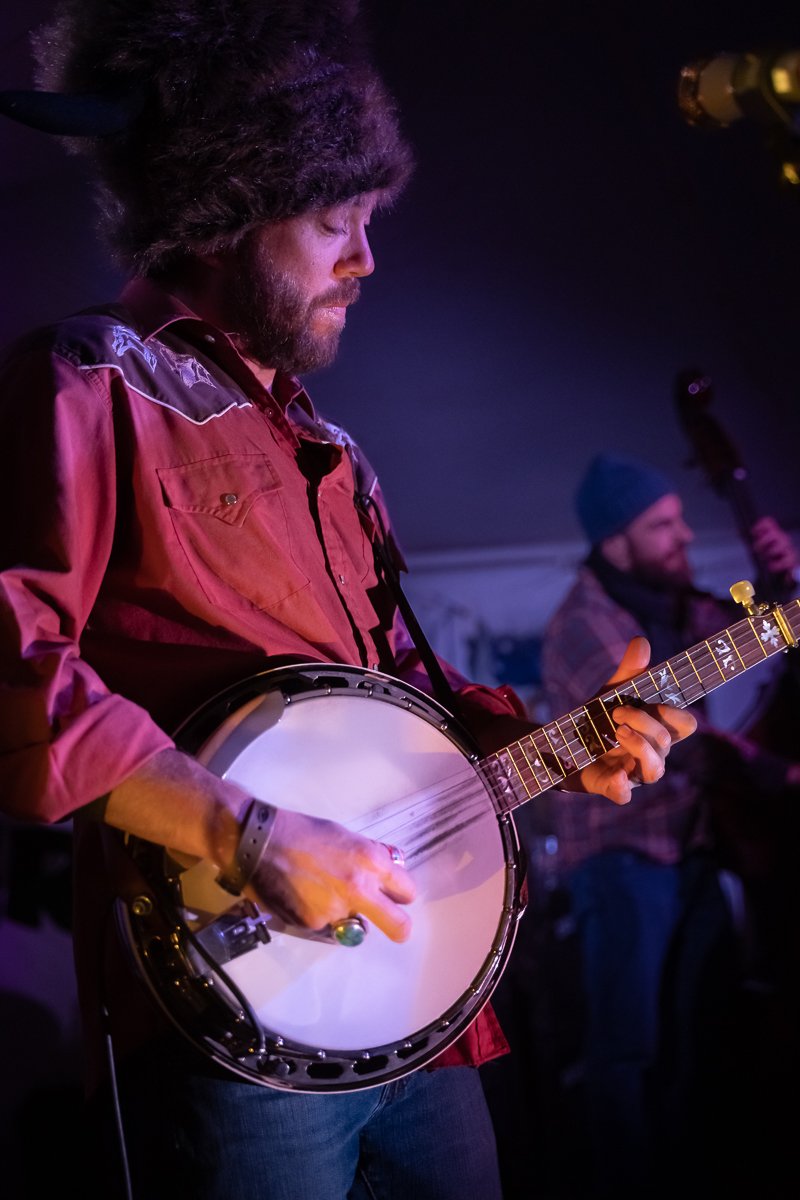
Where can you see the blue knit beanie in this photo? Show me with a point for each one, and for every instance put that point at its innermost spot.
(614, 491)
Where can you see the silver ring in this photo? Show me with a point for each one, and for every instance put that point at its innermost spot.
(397, 856)
(350, 931)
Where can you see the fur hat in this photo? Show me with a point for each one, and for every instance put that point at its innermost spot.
(614, 491)
(244, 111)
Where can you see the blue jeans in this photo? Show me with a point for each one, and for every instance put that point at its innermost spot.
(658, 970)
(199, 1135)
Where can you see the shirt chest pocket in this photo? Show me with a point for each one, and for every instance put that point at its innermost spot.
(229, 517)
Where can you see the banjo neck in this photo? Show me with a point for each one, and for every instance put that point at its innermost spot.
(547, 756)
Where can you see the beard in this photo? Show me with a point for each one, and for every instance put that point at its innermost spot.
(272, 320)
(674, 574)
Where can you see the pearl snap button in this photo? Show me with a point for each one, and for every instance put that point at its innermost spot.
(230, 498)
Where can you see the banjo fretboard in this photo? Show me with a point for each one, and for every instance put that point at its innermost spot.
(552, 752)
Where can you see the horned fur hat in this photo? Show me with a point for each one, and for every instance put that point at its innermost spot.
(237, 112)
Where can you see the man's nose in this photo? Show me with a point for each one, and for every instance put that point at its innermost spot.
(357, 258)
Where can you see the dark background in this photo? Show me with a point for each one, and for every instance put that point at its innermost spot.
(569, 243)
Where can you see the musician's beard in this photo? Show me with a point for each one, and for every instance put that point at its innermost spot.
(274, 323)
(671, 574)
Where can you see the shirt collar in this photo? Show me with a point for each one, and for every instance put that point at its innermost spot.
(154, 310)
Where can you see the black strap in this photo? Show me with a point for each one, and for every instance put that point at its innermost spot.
(441, 686)
(366, 482)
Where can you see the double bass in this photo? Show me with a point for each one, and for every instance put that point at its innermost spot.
(757, 832)
(768, 713)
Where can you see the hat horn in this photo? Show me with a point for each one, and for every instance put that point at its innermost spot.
(86, 115)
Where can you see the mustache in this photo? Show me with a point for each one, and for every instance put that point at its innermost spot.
(346, 292)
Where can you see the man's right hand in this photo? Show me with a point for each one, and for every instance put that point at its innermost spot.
(315, 873)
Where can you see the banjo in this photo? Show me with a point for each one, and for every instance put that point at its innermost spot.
(291, 1008)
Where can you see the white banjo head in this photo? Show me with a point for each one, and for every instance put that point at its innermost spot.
(359, 748)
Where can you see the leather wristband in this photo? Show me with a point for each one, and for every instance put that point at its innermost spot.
(253, 840)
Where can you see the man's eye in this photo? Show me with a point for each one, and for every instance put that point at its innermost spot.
(333, 230)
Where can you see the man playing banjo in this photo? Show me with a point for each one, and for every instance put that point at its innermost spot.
(185, 520)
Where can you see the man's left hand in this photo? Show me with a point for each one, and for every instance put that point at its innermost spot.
(646, 736)
(773, 548)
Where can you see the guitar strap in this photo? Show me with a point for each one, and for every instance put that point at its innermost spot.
(387, 554)
(385, 565)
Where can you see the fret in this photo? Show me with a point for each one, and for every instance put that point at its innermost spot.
(736, 650)
(630, 688)
(587, 755)
(700, 657)
(723, 654)
(689, 681)
(756, 636)
(510, 771)
(625, 693)
(509, 789)
(599, 713)
(688, 656)
(564, 748)
(523, 769)
(536, 764)
(751, 645)
(647, 688)
(666, 684)
(710, 669)
(544, 756)
(587, 721)
(548, 753)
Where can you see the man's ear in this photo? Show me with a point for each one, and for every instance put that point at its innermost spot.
(213, 261)
(617, 550)
(195, 281)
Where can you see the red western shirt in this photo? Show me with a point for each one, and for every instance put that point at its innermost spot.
(165, 544)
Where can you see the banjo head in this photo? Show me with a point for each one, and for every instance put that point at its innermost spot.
(292, 1008)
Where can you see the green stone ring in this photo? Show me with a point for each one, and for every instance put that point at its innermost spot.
(350, 931)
